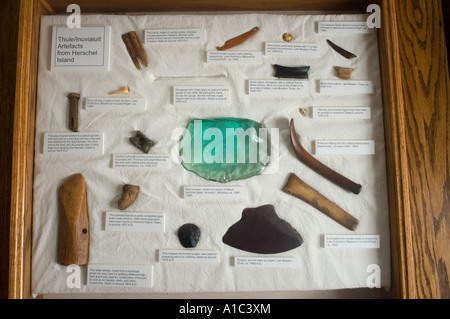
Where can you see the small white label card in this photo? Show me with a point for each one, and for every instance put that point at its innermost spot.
(233, 56)
(292, 49)
(134, 222)
(346, 87)
(133, 276)
(188, 256)
(201, 95)
(81, 49)
(73, 143)
(214, 192)
(128, 104)
(356, 147)
(351, 241)
(342, 113)
(340, 27)
(278, 87)
(265, 262)
(159, 161)
(175, 36)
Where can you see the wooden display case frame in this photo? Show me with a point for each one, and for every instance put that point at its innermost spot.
(415, 78)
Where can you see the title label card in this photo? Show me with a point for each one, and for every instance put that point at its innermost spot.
(214, 192)
(352, 241)
(346, 87)
(234, 56)
(175, 36)
(73, 143)
(134, 222)
(128, 104)
(188, 256)
(265, 262)
(161, 161)
(344, 27)
(292, 49)
(342, 113)
(345, 147)
(278, 87)
(132, 276)
(85, 48)
(201, 95)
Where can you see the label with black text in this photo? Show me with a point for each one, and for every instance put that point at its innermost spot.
(131, 276)
(356, 147)
(73, 143)
(160, 161)
(134, 222)
(188, 256)
(265, 262)
(214, 192)
(86, 48)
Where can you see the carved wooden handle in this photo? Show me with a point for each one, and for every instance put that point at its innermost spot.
(73, 240)
(320, 168)
(298, 188)
(238, 40)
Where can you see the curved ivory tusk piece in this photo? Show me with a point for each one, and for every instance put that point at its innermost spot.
(298, 188)
(238, 40)
(344, 73)
(320, 168)
(341, 51)
(123, 90)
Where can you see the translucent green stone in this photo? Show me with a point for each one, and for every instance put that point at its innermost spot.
(225, 149)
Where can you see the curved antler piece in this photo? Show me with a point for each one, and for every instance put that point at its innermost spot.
(291, 72)
(320, 168)
(238, 40)
(341, 51)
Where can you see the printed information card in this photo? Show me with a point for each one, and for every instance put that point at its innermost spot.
(359, 147)
(188, 256)
(342, 113)
(214, 192)
(346, 87)
(341, 27)
(278, 87)
(85, 48)
(265, 262)
(161, 161)
(134, 222)
(351, 241)
(175, 36)
(132, 276)
(201, 95)
(292, 49)
(73, 143)
(234, 57)
(128, 104)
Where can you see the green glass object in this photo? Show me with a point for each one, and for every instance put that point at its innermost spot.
(225, 149)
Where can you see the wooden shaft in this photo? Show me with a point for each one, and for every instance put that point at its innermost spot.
(73, 111)
(298, 188)
(73, 240)
(321, 168)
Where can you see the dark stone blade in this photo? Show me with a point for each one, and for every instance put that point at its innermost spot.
(261, 231)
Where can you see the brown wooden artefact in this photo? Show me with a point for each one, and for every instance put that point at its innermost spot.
(135, 49)
(73, 111)
(238, 40)
(73, 237)
(416, 104)
(321, 168)
(298, 188)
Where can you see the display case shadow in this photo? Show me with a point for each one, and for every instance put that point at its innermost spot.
(415, 85)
